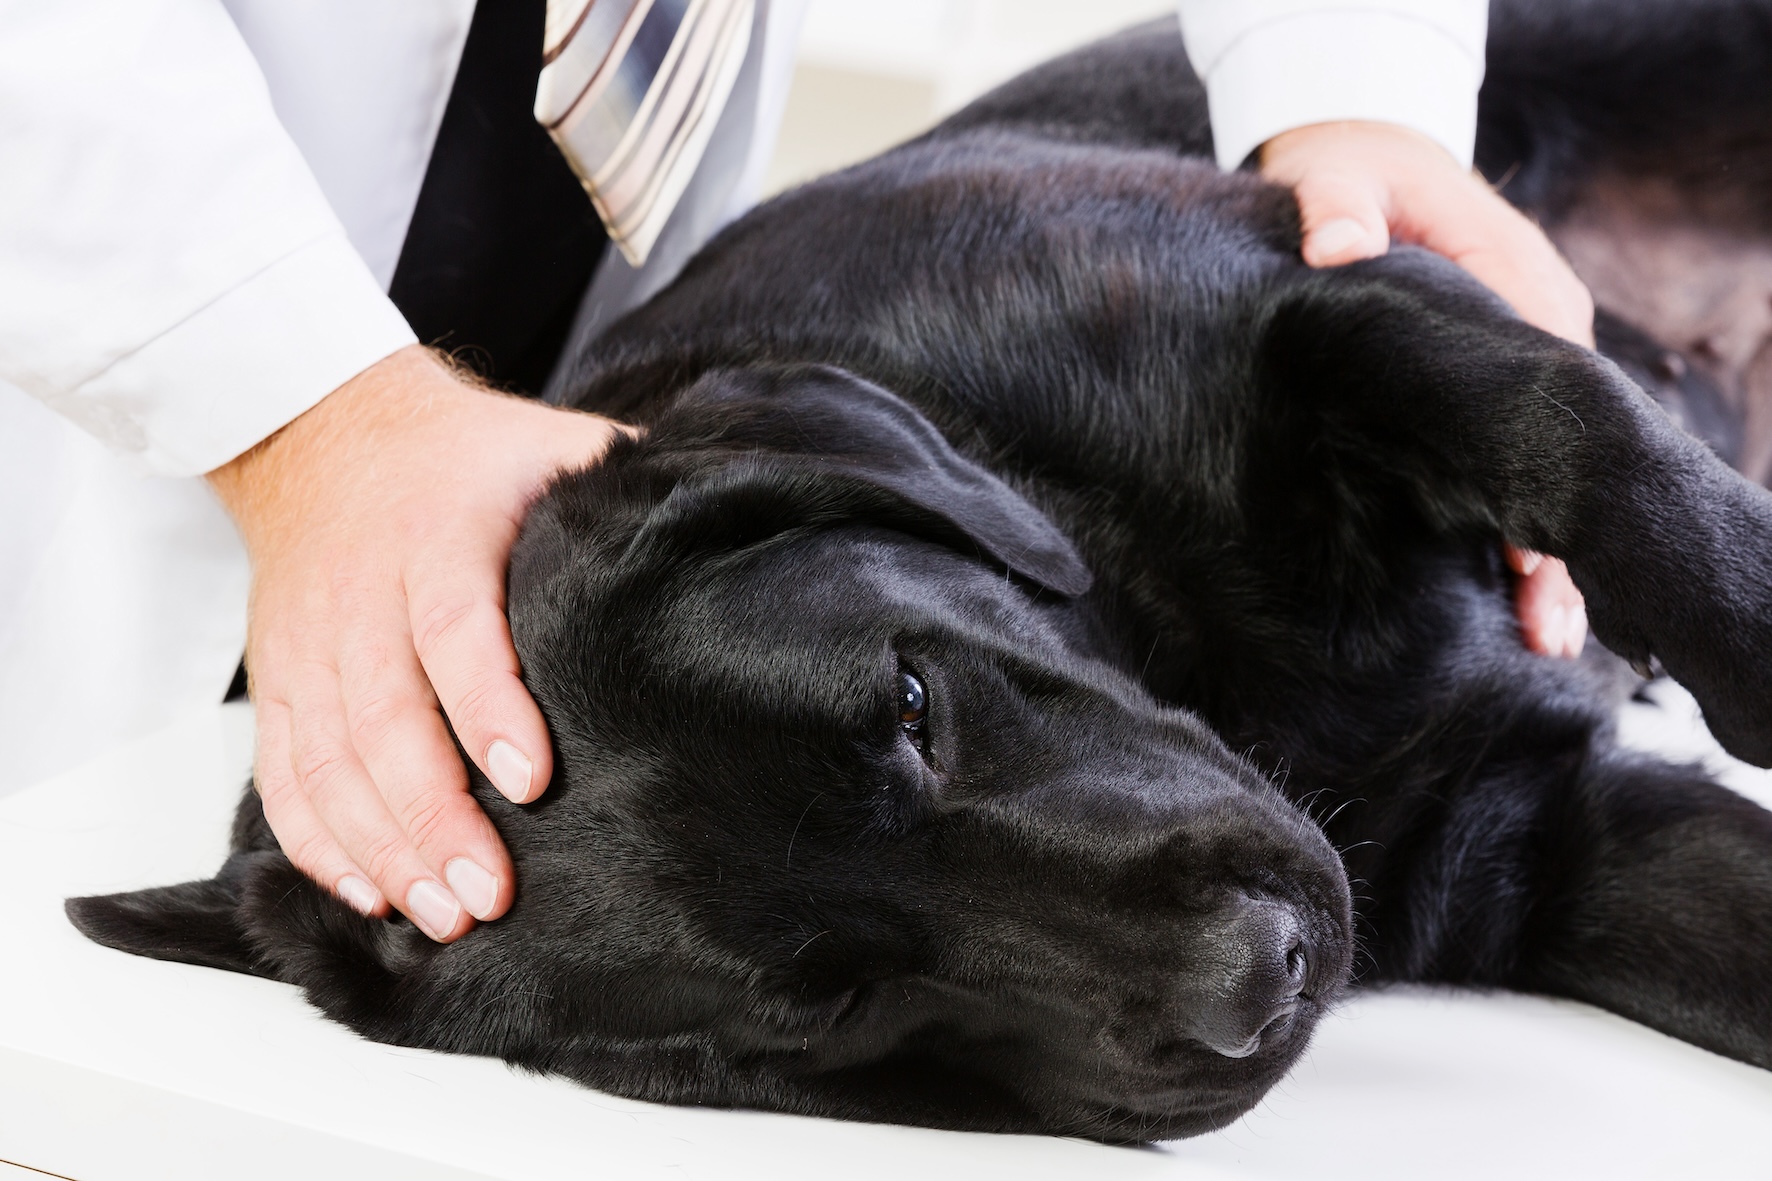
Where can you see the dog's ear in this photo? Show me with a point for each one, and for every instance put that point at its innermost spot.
(193, 923)
(261, 917)
(816, 444)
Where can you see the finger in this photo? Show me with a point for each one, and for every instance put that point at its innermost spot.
(1342, 220)
(330, 774)
(1552, 613)
(401, 739)
(464, 646)
(1522, 561)
(1543, 292)
(305, 839)
(1511, 256)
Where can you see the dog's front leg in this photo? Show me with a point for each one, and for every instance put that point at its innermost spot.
(1414, 370)
(1656, 903)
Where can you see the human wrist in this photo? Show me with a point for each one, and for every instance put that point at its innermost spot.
(388, 430)
(257, 486)
(1348, 139)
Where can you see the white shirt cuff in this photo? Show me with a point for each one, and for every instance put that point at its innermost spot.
(1325, 66)
(234, 372)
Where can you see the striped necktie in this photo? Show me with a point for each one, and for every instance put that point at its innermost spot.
(631, 90)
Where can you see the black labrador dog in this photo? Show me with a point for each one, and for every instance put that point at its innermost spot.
(1048, 640)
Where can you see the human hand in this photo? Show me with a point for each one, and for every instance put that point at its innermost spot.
(1362, 185)
(380, 524)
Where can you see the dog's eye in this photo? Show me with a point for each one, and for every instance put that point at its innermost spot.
(912, 703)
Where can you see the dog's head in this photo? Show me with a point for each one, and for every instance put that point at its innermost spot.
(847, 817)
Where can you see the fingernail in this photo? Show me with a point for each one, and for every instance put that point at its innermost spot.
(510, 771)
(1530, 561)
(477, 889)
(433, 908)
(1577, 629)
(1335, 238)
(1555, 629)
(358, 894)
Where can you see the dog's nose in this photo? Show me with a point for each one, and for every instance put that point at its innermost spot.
(1264, 961)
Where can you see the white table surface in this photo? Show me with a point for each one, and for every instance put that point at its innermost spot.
(117, 1067)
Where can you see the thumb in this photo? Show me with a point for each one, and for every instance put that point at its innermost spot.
(1342, 220)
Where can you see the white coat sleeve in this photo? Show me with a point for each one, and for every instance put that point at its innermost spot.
(171, 277)
(1272, 65)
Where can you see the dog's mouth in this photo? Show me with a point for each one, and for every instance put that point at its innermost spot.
(1171, 1109)
(1195, 1053)
(1082, 1071)
(1184, 1088)
(1159, 1118)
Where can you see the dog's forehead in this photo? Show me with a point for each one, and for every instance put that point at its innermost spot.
(854, 593)
(801, 636)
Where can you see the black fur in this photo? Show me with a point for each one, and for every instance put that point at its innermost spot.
(895, 421)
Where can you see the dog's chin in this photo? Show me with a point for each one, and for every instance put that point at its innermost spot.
(1160, 1115)
(1199, 1091)
(1140, 1125)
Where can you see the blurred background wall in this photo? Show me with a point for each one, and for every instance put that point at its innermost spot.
(871, 73)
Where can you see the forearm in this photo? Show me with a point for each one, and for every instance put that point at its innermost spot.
(175, 281)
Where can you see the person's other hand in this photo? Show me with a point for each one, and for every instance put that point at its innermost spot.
(1361, 186)
(380, 524)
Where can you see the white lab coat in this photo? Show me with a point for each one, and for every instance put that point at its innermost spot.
(1272, 65)
(201, 206)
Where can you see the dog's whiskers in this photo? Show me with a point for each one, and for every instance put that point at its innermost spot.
(1330, 819)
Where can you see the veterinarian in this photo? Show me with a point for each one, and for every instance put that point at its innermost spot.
(224, 228)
